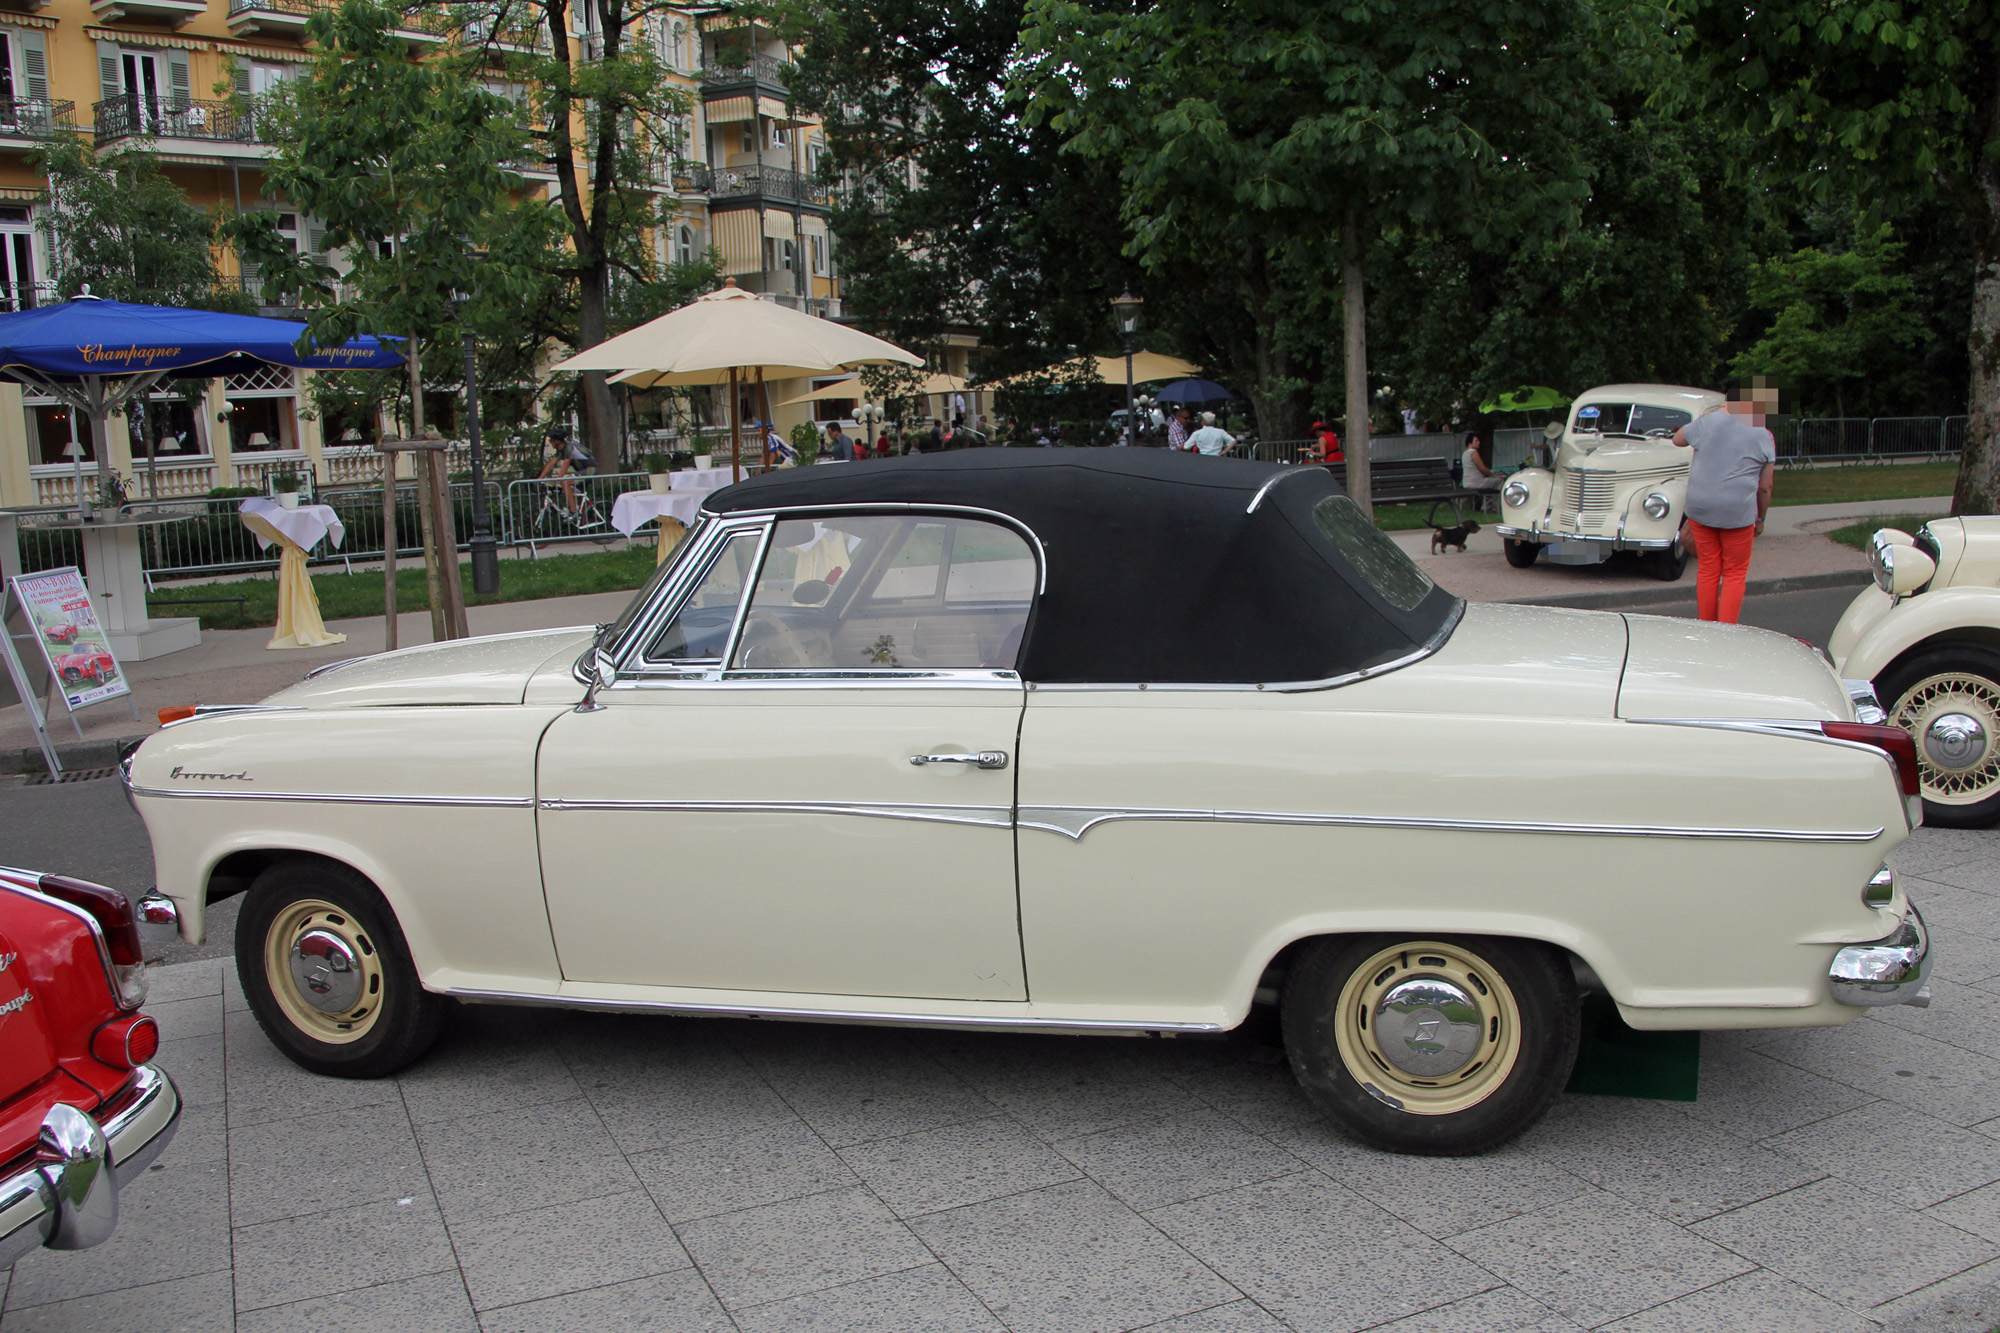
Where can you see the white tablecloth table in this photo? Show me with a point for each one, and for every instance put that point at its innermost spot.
(294, 532)
(704, 479)
(674, 510)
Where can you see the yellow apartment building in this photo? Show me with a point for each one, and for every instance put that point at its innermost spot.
(146, 72)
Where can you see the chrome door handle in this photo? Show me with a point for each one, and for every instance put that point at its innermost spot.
(983, 759)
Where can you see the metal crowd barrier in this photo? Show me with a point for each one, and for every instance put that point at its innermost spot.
(542, 512)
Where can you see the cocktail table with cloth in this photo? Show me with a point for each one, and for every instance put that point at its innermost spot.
(294, 532)
(674, 510)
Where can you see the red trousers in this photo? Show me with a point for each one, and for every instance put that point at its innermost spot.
(1724, 558)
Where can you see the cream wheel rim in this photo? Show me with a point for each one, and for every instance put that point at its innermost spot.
(1428, 1028)
(1942, 713)
(324, 971)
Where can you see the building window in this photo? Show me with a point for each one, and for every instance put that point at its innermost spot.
(781, 135)
(17, 257)
(173, 426)
(779, 255)
(48, 427)
(262, 409)
(816, 247)
(750, 136)
(684, 245)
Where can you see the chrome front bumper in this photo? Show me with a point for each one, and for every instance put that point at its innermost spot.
(1542, 536)
(68, 1200)
(1895, 969)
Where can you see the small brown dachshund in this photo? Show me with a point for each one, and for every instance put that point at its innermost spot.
(1444, 538)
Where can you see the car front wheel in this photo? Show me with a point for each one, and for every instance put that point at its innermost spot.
(1520, 554)
(1668, 565)
(1444, 1046)
(1948, 699)
(327, 973)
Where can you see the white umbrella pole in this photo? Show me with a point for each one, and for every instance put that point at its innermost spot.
(76, 459)
(735, 429)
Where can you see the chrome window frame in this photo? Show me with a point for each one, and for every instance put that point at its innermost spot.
(635, 672)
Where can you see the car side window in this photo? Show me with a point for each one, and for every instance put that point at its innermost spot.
(699, 631)
(889, 593)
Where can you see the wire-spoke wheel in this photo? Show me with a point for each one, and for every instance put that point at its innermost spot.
(1445, 1045)
(1949, 702)
(327, 974)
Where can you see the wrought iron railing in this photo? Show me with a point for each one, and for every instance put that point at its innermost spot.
(176, 118)
(756, 180)
(35, 117)
(768, 70)
(412, 20)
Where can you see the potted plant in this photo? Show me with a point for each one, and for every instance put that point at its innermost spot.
(285, 487)
(659, 471)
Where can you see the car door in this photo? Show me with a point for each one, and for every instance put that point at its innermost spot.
(803, 779)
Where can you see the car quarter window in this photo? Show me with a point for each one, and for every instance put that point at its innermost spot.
(699, 631)
(888, 592)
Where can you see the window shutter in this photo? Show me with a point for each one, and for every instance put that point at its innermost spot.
(177, 78)
(110, 78)
(35, 64)
(239, 79)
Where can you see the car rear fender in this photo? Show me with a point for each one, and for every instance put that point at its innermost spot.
(1965, 614)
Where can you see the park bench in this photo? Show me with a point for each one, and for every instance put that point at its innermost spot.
(1412, 481)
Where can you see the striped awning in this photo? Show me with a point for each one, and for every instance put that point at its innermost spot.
(775, 109)
(778, 223)
(725, 109)
(812, 224)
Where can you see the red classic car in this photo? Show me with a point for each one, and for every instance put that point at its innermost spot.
(94, 666)
(82, 1113)
(62, 633)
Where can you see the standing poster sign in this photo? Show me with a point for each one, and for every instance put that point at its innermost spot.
(73, 641)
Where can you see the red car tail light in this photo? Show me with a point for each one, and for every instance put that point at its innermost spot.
(127, 1042)
(1892, 741)
(112, 911)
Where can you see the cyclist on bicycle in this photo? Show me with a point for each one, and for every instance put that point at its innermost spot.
(566, 459)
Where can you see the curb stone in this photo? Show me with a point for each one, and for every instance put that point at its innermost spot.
(1684, 593)
(74, 756)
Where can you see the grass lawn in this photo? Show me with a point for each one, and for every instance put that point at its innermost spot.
(1857, 534)
(347, 596)
(1863, 481)
(1409, 518)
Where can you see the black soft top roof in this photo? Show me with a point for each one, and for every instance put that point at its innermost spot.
(1159, 568)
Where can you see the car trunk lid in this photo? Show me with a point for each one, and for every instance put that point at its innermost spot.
(1690, 669)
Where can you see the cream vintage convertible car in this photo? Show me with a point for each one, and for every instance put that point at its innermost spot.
(1113, 741)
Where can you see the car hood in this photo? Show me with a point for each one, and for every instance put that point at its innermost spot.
(496, 669)
(1615, 454)
(1687, 669)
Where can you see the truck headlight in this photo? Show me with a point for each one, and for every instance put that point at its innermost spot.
(1515, 495)
(1657, 506)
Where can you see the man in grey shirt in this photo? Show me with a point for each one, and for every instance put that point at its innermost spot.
(1728, 494)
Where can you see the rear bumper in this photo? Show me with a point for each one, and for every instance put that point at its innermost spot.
(1895, 969)
(72, 1204)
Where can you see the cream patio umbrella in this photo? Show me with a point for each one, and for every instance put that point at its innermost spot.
(719, 337)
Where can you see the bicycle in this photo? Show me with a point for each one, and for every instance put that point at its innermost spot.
(556, 520)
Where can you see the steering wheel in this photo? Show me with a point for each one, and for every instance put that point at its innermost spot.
(778, 646)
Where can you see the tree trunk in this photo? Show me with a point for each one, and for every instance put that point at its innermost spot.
(600, 409)
(1354, 344)
(1979, 467)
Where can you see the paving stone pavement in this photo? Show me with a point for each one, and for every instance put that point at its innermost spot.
(552, 1171)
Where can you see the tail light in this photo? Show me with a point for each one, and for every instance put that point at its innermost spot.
(117, 926)
(177, 713)
(127, 1042)
(1891, 741)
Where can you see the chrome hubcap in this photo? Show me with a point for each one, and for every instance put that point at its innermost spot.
(1955, 741)
(1427, 1027)
(326, 972)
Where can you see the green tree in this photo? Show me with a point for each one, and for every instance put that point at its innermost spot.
(1839, 318)
(1880, 100)
(1289, 138)
(118, 225)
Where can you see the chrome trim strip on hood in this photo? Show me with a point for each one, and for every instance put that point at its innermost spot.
(992, 816)
(1073, 821)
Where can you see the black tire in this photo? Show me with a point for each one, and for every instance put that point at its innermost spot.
(1500, 1087)
(1668, 565)
(393, 1019)
(71, 675)
(1961, 678)
(1520, 554)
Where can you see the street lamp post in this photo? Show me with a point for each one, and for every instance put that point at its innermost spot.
(485, 556)
(1125, 309)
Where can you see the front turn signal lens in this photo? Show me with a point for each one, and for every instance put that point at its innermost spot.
(178, 713)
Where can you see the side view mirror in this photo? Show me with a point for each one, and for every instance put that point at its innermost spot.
(603, 674)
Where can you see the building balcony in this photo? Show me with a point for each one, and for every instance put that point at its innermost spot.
(287, 18)
(27, 295)
(26, 123)
(286, 306)
(220, 129)
(765, 72)
(512, 32)
(176, 12)
(757, 183)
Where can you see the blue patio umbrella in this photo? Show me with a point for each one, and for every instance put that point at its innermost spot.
(96, 355)
(1193, 391)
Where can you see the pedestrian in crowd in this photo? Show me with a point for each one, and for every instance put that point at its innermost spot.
(1177, 429)
(882, 444)
(1476, 466)
(839, 448)
(566, 460)
(1728, 493)
(1211, 439)
(934, 441)
(1410, 421)
(1326, 442)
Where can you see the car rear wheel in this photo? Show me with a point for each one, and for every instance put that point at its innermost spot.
(1443, 1046)
(1520, 554)
(1670, 564)
(327, 973)
(1948, 699)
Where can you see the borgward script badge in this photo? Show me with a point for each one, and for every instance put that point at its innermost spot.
(179, 772)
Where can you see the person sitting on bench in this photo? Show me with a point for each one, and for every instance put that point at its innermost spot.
(1478, 466)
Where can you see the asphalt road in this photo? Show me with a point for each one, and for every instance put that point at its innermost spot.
(86, 828)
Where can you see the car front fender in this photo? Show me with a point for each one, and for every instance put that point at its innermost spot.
(1541, 485)
(1971, 613)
